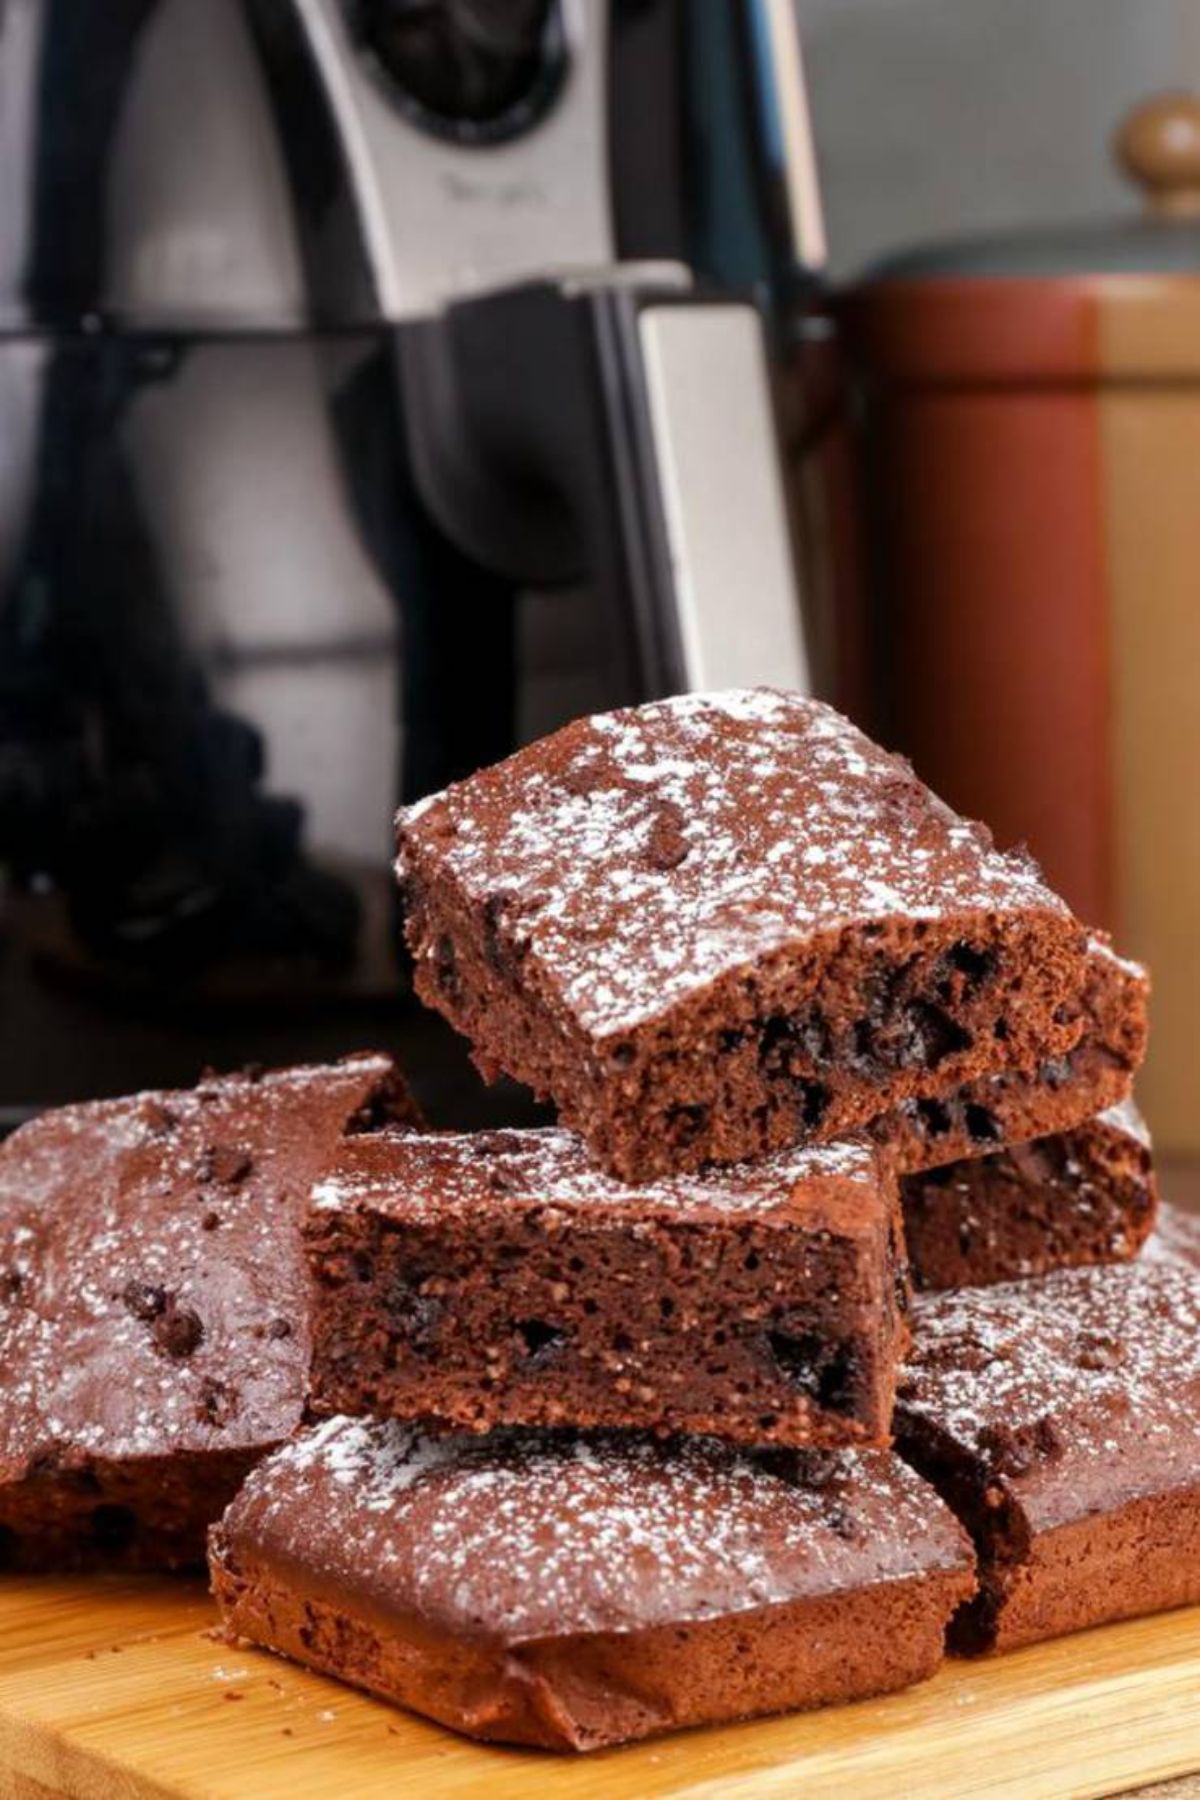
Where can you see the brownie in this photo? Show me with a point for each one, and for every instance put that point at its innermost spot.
(1175, 1238)
(717, 925)
(1060, 1202)
(1064, 1091)
(154, 1338)
(501, 1278)
(575, 1592)
(1060, 1420)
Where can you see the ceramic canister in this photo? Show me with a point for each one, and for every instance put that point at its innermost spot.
(1032, 413)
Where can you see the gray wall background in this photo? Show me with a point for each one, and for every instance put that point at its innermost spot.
(935, 117)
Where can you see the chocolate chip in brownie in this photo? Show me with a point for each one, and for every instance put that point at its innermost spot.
(503, 956)
(217, 1403)
(967, 969)
(541, 1340)
(178, 1331)
(787, 1049)
(683, 1123)
(589, 774)
(666, 843)
(228, 1164)
(981, 1124)
(790, 1046)
(145, 1300)
(814, 1103)
(819, 1367)
(934, 1116)
(1098, 1350)
(935, 1036)
(1014, 1450)
(844, 1524)
(445, 968)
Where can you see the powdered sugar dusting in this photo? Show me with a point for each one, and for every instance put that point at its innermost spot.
(640, 853)
(1099, 944)
(153, 1293)
(427, 1174)
(1110, 1357)
(378, 1466)
(1126, 1118)
(523, 1535)
(1175, 1239)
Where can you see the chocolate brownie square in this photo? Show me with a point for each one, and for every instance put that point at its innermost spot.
(579, 1592)
(501, 1278)
(154, 1337)
(1060, 1202)
(717, 925)
(1060, 1420)
(1064, 1092)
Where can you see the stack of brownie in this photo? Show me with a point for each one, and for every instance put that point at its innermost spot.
(608, 1407)
(632, 1422)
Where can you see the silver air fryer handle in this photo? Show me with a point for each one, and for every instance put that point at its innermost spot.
(717, 470)
(619, 432)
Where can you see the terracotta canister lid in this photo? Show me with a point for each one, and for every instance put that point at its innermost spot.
(1022, 305)
(1158, 145)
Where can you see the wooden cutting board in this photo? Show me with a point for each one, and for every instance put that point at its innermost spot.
(111, 1690)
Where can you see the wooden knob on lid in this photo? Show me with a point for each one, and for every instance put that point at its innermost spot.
(1158, 145)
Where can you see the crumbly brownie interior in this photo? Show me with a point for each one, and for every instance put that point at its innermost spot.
(804, 1047)
(1074, 1198)
(1064, 1091)
(693, 1306)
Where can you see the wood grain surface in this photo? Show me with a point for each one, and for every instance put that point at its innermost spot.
(113, 1690)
